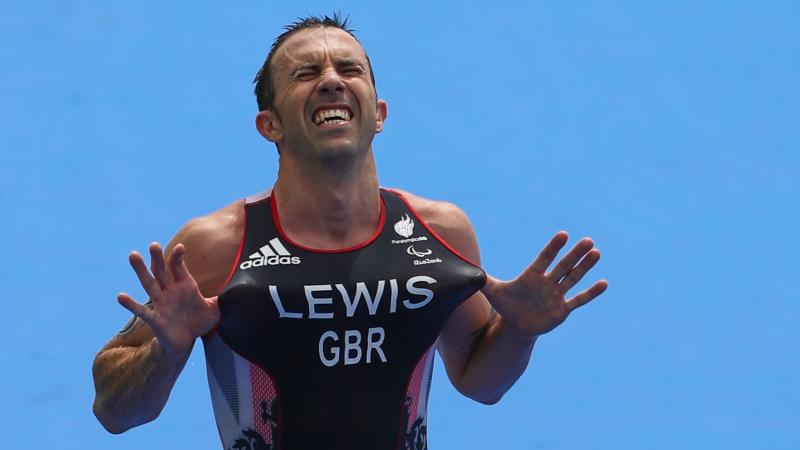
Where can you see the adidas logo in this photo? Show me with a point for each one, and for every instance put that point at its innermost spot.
(273, 253)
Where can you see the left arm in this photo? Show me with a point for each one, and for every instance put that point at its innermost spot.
(487, 342)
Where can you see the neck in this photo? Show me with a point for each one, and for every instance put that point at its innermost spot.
(328, 207)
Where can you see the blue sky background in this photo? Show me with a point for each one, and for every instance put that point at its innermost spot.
(666, 131)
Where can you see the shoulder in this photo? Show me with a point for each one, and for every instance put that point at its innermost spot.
(212, 242)
(217, 228)
(448, 221)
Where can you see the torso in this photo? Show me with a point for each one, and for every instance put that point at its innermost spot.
(332, 349)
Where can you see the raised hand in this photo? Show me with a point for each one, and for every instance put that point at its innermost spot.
(535, 302)
(178, 312)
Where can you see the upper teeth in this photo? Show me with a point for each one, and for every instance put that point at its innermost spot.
(328, 114)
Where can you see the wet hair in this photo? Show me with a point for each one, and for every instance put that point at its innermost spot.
(264, 90)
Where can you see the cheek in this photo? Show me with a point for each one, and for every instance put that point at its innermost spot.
(364, 92)
(290, 100)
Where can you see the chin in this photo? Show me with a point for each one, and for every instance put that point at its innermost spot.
(337, 152)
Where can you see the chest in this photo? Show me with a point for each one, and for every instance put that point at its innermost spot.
(381, 305)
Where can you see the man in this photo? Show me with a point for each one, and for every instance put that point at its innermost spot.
(321, 301)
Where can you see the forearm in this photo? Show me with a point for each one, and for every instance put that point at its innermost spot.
(499, 358)
(132, 384)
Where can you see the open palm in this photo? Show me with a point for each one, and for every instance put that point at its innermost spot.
(178, 312)
(535, 302)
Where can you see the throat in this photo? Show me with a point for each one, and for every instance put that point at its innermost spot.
(328, 222)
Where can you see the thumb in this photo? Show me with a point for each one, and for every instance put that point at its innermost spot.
(491, 286)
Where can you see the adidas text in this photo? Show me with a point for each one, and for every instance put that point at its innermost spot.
(270, 261)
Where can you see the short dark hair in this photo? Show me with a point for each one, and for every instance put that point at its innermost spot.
(264, 90)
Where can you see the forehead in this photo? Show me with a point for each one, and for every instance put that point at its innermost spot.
(317, 44)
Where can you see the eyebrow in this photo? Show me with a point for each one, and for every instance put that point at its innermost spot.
(340, 62)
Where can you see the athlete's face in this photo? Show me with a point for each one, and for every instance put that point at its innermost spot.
(326, 104)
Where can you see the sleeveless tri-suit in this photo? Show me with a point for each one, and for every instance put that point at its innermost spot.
(332, 350)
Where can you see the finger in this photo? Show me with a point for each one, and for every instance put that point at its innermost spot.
(158, 266)
(578, 272)
(139, 310)
(549, 252)
(176, 263)
(569, 261)
(147, 281)
(587, 295)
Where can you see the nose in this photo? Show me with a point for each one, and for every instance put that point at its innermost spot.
(331, 83)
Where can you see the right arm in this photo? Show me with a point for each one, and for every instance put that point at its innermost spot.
(135, 371)
(133, 378)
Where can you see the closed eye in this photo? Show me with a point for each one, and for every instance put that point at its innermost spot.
(306, 72)
(350, 67)
(353, 71)
(304, 75)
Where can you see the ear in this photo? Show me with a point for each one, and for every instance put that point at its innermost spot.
(269, 126)
(380, 115)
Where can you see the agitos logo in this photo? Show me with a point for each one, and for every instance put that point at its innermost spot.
(272, 253)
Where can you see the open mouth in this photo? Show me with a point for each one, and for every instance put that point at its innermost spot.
(332, 116)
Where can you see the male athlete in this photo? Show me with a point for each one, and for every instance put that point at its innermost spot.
(320, 302)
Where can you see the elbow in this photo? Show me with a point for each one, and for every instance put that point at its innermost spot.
(113, 429)
(99, 406)
(481, 396)
(111, 425)
(487, 400)
(115, 423)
